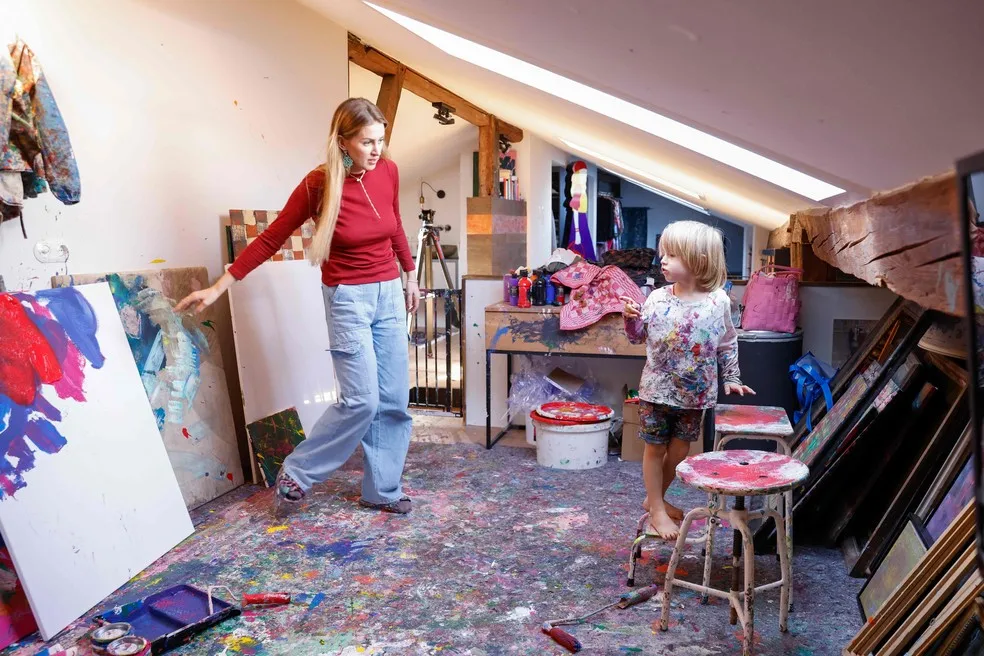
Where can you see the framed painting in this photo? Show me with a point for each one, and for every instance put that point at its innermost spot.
(908, 548)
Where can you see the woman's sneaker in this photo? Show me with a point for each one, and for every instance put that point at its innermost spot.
(287, 496)
(401, 507)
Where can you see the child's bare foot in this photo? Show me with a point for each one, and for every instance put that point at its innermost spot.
(661, 524)
(673, 512)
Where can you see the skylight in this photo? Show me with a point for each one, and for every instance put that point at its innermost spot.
(618, 109)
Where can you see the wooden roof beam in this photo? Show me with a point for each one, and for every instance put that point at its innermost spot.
(907, 240)
(382, 64)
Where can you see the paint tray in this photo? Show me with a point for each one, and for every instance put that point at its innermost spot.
(170, 618)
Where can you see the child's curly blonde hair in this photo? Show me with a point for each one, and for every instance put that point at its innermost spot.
(701, 248)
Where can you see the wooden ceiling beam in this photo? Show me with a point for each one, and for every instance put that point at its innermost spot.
(907, 240)
(488, 159)
(382, 64)
(389, 97)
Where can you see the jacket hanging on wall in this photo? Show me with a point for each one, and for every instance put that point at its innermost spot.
(35, 151)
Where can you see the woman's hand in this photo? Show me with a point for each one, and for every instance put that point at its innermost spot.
(631, 309)
(412, 295)
(739, 389)
(198, 301)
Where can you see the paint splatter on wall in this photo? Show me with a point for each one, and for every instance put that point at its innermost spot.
(45, 341)
(180, 365)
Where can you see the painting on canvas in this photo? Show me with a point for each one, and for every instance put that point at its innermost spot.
(246, 225)
(88, 498)
(180, 364)
(901, 559)
(16, 619)
(273, 439)
(960, 493)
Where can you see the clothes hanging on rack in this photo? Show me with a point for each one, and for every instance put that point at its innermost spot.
(35, 150)
(610, 223)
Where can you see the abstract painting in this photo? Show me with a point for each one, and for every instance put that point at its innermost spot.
(246, 226)
(273, 438)
(901, 559)
(87, 496)
(959, 495)
(16, 619)
(180, 364)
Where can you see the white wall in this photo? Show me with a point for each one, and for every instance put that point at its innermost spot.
(535, 158)
(178, 110)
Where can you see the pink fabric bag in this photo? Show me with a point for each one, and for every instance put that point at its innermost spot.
(772, 300)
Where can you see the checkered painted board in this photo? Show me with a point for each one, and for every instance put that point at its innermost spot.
(247, 225)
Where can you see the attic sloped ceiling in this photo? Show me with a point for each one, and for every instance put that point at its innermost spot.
(866, 96)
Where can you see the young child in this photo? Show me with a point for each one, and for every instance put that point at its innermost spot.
(688, 333)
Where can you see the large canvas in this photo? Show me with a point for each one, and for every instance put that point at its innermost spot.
(273, 439)
(246, 225)
(180, 364)
(278, 317)
(88, 498)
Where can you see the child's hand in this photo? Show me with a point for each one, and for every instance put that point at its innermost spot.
(631, 310)
(739, 389)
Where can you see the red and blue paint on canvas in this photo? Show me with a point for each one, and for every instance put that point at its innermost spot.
(46, 340)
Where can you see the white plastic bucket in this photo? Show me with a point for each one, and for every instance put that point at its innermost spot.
(530, 431)
(575, 446)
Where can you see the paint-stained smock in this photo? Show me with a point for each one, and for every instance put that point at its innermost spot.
(35, 151)
(686, 343)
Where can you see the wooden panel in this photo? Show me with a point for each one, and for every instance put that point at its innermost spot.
(382, 64)
(389, 97)
(537, 330)
(508, 252)
(488, 159)
(508, 224)
(907, 240)
(497, 206)
(480, 254)
(479, 224)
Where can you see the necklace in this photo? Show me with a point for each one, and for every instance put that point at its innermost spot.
(358, 178)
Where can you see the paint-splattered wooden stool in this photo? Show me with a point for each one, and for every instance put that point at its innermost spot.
(766, 423)
(736, 474)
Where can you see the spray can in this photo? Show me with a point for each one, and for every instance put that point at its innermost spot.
(559, 295)
(551, 291)
(513, 291)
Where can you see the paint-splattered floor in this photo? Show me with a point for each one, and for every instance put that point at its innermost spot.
(495, 546)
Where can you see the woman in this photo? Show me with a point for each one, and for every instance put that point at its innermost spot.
(359, 239)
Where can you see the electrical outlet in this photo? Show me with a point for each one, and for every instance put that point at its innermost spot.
(51, 251)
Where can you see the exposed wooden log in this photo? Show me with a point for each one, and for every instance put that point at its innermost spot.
(389, 97)
(907, 240)
(781, 236)
(382, 64)
(488, 159)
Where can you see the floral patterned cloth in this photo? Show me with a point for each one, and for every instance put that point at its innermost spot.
(686, 342)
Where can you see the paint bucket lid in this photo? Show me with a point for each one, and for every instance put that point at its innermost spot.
(575, 413)
(107, 633)
(129, 646)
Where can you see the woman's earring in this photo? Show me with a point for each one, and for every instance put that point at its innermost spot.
(347, 160)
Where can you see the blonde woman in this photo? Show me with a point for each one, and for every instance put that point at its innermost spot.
(689, 335)
(361, 247)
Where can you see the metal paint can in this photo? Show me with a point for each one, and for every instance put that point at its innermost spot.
(102, 636)
(129, 646)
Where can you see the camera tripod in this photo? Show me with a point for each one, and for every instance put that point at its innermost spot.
(429, 244)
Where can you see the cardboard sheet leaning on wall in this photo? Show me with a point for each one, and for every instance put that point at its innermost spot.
(35, 151)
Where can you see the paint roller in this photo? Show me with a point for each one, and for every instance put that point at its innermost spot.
(256, 599)
(572, 644)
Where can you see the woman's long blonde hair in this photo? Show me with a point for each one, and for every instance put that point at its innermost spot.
(701, 248)
(350, 117)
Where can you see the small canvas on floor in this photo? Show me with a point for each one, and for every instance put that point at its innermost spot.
(273, 439)
(87, 495)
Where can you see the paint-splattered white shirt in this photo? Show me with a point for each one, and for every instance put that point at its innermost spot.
(686, 342)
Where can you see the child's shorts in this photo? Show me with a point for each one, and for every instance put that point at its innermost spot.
(661, 422)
